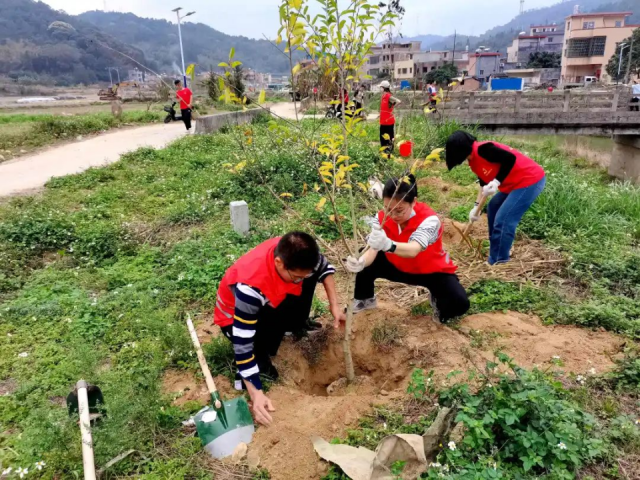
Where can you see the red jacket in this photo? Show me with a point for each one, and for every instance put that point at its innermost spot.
(386, 110)
(524, 173)
(434, 259)
(257, 269)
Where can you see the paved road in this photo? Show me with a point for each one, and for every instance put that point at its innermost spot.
(26, 174)
(286, 110)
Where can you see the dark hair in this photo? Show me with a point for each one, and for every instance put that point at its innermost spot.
(459, 147)
(298, 251)
(176, 82)
(400, 190)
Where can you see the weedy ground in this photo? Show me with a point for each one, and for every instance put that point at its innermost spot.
(97, 273)
(22, 133)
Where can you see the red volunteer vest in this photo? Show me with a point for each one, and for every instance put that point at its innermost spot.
(434, 259)
(185, 98)
(386, 110)
(524, 173)
(256, 268)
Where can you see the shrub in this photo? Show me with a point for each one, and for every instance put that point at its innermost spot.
(519, 425)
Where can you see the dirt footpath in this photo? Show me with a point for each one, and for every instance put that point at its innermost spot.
(29, 173)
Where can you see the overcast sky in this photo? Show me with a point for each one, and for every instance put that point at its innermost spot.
(253, 18)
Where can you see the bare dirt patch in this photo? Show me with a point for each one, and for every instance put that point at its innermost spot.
(304, 409)
(8, 386)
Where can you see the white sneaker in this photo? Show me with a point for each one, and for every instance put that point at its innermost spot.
(368, 304)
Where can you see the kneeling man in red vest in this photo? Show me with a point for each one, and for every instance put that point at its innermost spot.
(265, 294)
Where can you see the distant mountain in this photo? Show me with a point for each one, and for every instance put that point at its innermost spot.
(203, 45)
(42, 44)
(427, 40)
(498, 38)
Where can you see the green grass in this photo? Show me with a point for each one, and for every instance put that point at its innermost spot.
(96, 276)
(19, 132)
(22, 118)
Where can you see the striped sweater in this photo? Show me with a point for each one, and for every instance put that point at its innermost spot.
(249, 302)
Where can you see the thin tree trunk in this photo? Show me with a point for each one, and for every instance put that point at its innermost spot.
(346, 344)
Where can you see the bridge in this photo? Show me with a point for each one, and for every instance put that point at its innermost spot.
(545, 113)
(553, 113)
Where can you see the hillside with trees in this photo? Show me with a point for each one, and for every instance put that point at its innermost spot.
(203, 45)
(42, 45)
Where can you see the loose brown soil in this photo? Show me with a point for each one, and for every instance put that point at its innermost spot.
(304, 408)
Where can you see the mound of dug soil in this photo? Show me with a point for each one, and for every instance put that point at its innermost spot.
(303, 407)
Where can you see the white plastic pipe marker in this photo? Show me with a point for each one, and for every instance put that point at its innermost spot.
(88, 463)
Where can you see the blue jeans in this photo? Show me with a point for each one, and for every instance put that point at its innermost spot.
(504, 214)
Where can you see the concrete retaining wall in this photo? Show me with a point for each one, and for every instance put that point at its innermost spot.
(213, 123)
(625, 159)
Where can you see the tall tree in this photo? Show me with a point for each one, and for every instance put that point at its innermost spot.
(544, 60)
(612, 67)
(442, 75)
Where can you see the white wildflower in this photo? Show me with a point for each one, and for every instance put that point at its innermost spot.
(638, 422)
(40, 465)
(156, 291)
(181, 277)
(7, 471)
(435, 465)
(451, 445)
(22, 472)
(580, 379)
(495, 466)
(556, 357)
(9, 334)
(445, 468)
(562, 446)
(130, 285)
(23, 355)
(592, 371)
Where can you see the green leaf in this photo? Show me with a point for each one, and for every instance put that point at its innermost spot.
(236, 64)
(232, 53)
(296, 69)
(223, 64)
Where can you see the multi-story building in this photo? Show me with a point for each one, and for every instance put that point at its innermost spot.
(541, 38)
(391, 55)
(136, 75)
(482, 65)
(591, 39)
(432, 60)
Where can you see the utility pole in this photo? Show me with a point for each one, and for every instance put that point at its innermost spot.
(627, 77)
(455, 38)
(622, 47)
(521, 7)
(184, 71)
(110, 77)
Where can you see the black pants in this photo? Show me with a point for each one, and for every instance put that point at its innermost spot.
(290, 316)
(387, 130)
(186, 117)
(636, 107)
(449, 296)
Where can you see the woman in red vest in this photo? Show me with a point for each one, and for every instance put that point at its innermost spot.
(514, 179)
(387, 119)
(406, 247)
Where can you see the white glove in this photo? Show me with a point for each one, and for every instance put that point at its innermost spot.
(490, 188)
(474, 214)
(379, 241)
(355, 265)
